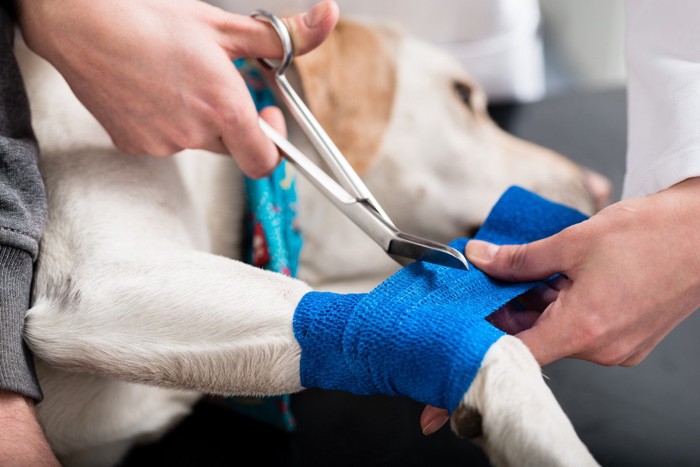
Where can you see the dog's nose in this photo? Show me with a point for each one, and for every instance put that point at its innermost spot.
(599, 187)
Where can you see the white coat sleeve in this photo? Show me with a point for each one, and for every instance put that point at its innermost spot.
(663, 77)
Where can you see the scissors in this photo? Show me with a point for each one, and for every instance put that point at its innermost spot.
(349, 194)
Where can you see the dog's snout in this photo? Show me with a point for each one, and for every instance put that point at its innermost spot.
(599, 187)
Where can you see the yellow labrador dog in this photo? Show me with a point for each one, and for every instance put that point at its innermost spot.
(141, 304)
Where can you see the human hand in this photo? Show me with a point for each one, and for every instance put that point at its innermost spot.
(631, 275)
(157, 74)
(22, 441)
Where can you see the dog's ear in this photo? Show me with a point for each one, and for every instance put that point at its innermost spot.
(349, 83)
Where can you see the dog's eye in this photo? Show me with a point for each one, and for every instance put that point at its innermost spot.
(464, 91)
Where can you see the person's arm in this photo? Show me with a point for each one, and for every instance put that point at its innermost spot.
(157, 74)
(22, 210)
(22, 440)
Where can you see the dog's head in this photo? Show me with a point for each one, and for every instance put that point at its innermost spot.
(415, 125)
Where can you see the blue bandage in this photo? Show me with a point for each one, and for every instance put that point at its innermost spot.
(422, 333)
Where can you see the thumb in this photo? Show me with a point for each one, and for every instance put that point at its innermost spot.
(531, 261)
(244, 36)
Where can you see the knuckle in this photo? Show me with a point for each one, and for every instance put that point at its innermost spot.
(260, 169)
(218, 109)
(609, 359)
(570, 241)
(163, 150)
(517, 257)
(229, 119)
(192, 139)
(632, 362)
(125, 147)
(593, 329)
(613, 355)
(128, 149)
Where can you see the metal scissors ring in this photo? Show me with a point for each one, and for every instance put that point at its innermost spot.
(285, 38)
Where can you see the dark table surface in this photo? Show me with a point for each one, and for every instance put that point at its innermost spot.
(642, 416)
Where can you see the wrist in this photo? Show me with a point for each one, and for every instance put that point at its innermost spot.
(681, 202)
(22, 439)
(32, 16)
(16, 408)
(54, 29)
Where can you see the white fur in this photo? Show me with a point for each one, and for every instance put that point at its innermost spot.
(522, 423)
(141, 305)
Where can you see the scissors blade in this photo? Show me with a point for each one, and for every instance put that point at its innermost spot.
(406, 248)
(402, 247)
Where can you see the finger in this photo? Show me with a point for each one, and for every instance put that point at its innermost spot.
(217, 146)
(274, 116)
(512, 321)
(532, 261)
(549, 338)
(244, 36)
(559, 283)
(432, 419)
(154, 148)
(241, 134)
(541, 296)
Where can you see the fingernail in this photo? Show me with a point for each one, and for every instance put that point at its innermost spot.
(479, 250)
(435, 424)
(314, 16)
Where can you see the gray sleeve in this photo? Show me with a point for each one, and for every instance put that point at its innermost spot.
(22, 215)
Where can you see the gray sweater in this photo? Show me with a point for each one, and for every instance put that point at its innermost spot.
(22, 215)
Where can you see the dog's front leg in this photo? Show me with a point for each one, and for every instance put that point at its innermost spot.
(174, 318)
(512, 414)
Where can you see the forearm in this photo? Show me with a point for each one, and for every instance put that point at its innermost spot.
(204, 323)
(22, 440)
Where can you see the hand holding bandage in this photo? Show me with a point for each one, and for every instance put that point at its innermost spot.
(633, 274)
(422, 333)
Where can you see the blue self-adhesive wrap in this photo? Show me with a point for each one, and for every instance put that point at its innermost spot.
(421, 333)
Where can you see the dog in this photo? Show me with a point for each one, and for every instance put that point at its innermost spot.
(141, 303)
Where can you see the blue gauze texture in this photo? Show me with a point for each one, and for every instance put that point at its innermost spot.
(421, 333)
